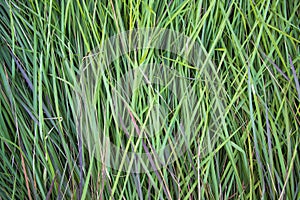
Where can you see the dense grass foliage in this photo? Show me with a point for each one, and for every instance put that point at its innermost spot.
(255, 46)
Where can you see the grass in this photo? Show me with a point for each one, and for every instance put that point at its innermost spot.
(255, 47)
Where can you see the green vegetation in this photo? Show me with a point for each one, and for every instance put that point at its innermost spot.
(255, 46)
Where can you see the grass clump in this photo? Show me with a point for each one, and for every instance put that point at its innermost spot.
(254, 46)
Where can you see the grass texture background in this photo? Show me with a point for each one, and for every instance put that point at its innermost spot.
(255, 46)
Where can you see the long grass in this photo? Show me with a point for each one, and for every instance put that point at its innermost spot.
(255, 46)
